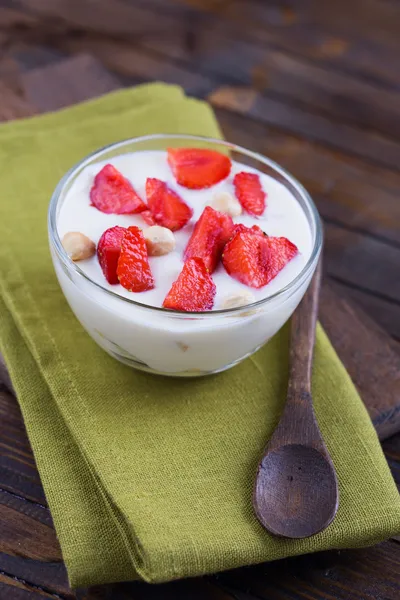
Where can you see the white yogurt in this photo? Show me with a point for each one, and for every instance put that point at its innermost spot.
(177, 344)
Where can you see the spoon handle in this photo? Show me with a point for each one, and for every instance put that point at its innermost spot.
(302, 337)
(298, 424)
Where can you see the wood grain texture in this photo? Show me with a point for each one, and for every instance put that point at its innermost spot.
(12, 106)
(361, 357)
(206, 46)
(306, 98)
(333, 107)
(53, 578)
(52, 87)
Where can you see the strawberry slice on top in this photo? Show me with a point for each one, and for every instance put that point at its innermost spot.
(167, 207)
(281, 251)
(198, 168)
(249, 192)
(194, 290)
(210, 234)
(108, 251)
(133, 269)
(253, 258)
(246, 258)
(112, 193)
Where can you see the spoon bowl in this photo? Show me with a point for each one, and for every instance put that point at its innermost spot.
(296, 491)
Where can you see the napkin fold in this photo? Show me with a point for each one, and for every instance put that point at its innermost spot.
(149, 477)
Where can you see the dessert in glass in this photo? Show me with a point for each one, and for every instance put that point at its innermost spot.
(182, 255)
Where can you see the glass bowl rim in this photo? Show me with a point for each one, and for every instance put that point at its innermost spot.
(81, 164)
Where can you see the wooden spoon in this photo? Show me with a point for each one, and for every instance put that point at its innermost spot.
(296, 492)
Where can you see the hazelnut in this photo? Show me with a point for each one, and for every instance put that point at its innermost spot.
(159, 240)
(226, 203)
(78, 246)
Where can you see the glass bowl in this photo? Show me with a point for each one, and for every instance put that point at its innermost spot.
(163, 341)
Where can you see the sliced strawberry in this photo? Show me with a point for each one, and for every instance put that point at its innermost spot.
(108, 251)
(194, 290)
(113, 193)
(147, 217)
(227, 228)
(209, 236)
(281, 251)
(168, 209)
(133, 268)
(198, 168)
(254, 229)
(246, 257)
(249, 192)
(254, 258)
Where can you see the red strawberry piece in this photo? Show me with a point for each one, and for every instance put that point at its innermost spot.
(148, 217)
(246, 258)
(133, 268)
(168, 209)
(198, 168)
(194, 290)
(108, 251)
(227, 228)
(249, 192)
(209, 236)
(255, 259)
(281, 251)
(113, 193)
(255, 229)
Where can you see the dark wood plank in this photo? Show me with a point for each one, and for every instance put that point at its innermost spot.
(385, 313)
(363, 261)
(23, 535)
(23, 506)
(127, 60)
(286, 26)
(116, 18)
(368, 574)
(12, 106)
(12, 17)
(285, 75)
(292, 90)
(17, 589)
(18, 472)
(196, 25)
(53, 87)
(267, 70)
(51, 577)
(376, 20)
(361, 356)
(195, 589)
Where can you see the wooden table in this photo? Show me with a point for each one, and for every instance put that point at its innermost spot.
(314, 85)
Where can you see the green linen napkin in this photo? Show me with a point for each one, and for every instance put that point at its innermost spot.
(149, 477)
